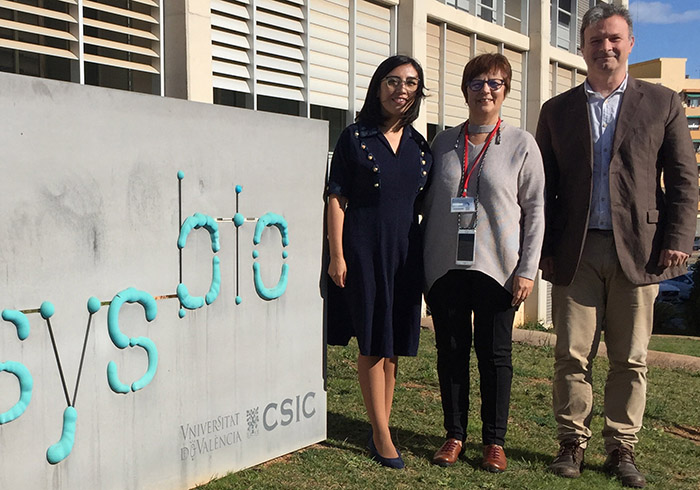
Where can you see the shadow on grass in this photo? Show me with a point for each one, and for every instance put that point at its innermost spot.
(351, 434)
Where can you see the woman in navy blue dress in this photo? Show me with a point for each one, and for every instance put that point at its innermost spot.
(379, 167)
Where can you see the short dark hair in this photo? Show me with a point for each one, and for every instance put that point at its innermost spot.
(371, 112)
(483, 64)
(601, 12)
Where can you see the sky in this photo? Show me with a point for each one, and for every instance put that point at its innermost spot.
(667, 29)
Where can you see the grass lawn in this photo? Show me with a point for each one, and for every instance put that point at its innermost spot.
(689, 346)
(666, 454)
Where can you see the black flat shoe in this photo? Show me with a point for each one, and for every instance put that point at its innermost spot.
(395, 463)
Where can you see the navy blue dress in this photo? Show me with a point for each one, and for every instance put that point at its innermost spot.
(381, 301)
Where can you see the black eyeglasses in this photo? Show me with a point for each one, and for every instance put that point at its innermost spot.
(394, 83)
(493, 83)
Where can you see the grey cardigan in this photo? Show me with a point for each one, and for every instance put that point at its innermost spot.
(510, 210)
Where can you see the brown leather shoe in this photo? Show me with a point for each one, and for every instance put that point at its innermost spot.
(569, 460)
(449, 452)
(494, 459)
(620, 463)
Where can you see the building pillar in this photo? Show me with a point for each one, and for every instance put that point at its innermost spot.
(188, 66)
(538, 83)
(412, 41)
(538, 92)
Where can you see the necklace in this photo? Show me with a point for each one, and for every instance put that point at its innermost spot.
(492, 130)
(480, 128)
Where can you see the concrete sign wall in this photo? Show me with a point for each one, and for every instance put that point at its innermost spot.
(159, 264)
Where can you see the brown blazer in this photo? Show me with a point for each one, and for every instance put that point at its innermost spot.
(651, 137)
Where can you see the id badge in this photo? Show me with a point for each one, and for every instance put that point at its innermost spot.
(466, 239)
(462, 205)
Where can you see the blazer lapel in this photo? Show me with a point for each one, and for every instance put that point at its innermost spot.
(579, 120)
(627, 113)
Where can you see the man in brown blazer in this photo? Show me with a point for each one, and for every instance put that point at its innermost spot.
(612, 233)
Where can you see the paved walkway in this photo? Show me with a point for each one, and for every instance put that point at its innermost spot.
(654, 358)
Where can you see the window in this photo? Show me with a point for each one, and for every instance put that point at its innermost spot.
(337, 120)
(233, 98)
(261, 45)
(120, 48)
(567, 16)
(110, 43)
(514, 15)
(278, 105)
(432, 132)
(507, 13)
(561, 35)
(459, 4)
(35, 39)
(694, 123)
(486, 9)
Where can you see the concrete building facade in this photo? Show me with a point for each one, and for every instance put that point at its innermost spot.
(308, 58)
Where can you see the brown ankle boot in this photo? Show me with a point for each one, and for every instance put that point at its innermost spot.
(569, 461)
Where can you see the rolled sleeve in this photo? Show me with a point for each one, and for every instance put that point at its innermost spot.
(339, 178)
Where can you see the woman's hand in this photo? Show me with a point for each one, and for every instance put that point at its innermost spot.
(336, 217)
(522, 288)
(337, 270)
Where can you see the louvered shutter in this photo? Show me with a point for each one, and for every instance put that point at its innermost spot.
(280, 48)
(458, 49)
(582, 7)
(373, 43)
(512, 106)
(432, 73)
(230, 31)
(277, 65)
(121, 37)
(563, 79)
(329, 53)
(50, 31)
(118, 34)
(483, 47)
(550, 81)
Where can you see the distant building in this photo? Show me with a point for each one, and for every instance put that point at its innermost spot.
(670, 72)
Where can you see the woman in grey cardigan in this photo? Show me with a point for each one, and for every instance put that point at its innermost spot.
(483, 218)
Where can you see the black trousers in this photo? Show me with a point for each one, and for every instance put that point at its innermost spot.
(452, 299)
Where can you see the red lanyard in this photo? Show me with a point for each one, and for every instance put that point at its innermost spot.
(478, 157)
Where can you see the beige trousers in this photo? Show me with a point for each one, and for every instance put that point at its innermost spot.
(601, 298)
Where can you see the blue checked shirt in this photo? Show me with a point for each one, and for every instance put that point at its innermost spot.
(603, 113)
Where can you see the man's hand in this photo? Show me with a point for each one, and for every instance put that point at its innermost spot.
(522, 288)
(672, 258)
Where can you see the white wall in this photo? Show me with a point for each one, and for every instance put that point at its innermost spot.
(89, 200)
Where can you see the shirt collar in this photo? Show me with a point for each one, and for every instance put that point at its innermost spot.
(592, 93)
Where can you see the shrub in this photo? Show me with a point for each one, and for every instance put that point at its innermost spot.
(666, 318)
(535, 325)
